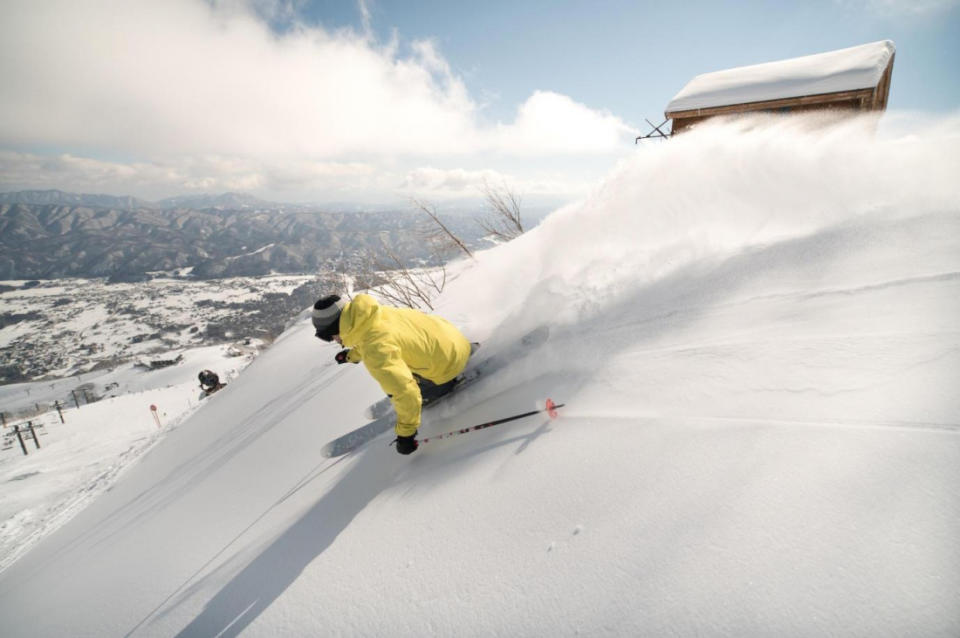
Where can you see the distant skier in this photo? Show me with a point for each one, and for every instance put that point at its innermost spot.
(210, 382)
(414, 357)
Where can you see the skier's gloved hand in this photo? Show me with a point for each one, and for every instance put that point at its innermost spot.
(407, 444)
(342, 356)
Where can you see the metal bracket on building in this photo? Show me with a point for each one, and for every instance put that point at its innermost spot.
(656, 133)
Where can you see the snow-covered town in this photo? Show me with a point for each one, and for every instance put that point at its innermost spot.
(75, 328)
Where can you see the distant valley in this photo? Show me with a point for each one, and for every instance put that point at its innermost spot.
(63, 327)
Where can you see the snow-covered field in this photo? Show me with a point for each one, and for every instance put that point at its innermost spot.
(69, 326)
(754, 330)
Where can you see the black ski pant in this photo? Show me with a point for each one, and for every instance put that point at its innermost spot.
(430, 391)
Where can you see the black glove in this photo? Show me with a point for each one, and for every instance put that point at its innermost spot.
(407, 444)
(342, 356)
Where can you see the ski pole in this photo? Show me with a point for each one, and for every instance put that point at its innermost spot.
(550, 408)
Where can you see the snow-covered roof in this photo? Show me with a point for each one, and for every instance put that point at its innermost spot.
(858, 67)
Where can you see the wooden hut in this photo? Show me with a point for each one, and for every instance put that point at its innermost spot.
(857, 78)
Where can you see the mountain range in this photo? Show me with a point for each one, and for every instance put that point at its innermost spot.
(223, 201)
(52, 234)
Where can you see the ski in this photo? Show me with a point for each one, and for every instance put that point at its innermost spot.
(355, 438)
(386, 420)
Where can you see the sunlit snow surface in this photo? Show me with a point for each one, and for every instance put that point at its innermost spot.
(754, 328)
(84, 452)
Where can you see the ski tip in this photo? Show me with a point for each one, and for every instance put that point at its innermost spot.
(551, 409)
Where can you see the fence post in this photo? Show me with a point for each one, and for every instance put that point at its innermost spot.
(156, 417)
(23, 446)
(3, 415)
(75, 400)
(59, 411)
(33, 433)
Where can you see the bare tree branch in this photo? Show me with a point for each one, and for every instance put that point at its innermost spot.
(431, 211)
(401, 285)
(503, 207)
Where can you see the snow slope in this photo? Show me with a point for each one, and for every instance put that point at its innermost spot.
(81, 456)
(754, 329)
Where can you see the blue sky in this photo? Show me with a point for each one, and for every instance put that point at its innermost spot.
(632, 57)
(377, 101)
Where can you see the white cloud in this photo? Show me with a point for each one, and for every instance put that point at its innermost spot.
(894, 8)
(448, 182)
(438, 184)
(365, 17)
(282, 180)
(550, 122)
(182, 76)
(185, 174)
(283, 11)
(205, 96)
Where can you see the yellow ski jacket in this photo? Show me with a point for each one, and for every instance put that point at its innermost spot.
(396, 343)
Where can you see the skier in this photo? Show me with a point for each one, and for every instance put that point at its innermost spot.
(414, 357)
(209, 381)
